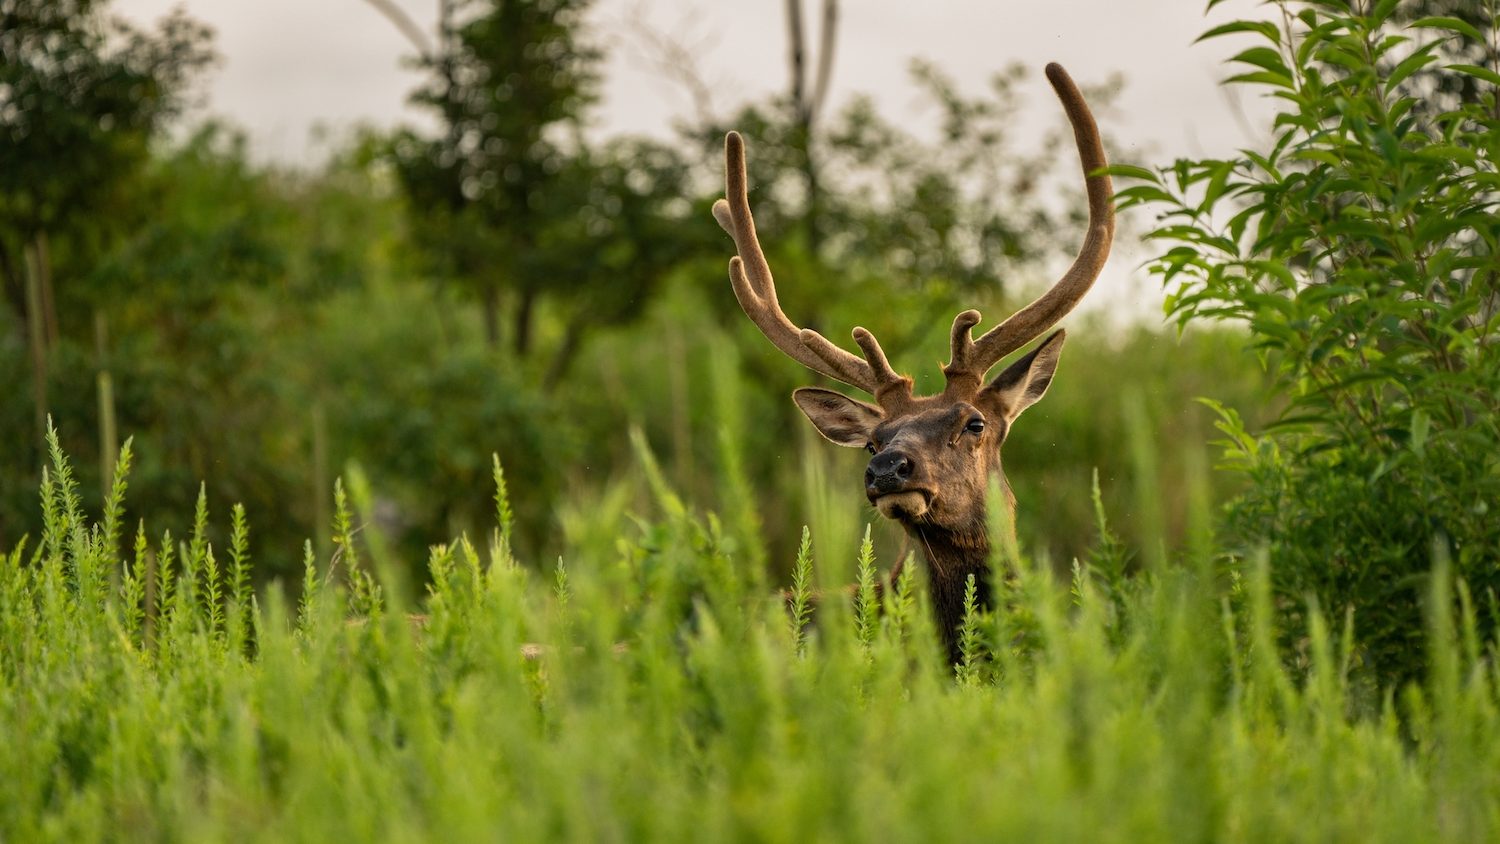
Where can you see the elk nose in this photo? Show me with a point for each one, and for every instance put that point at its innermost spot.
(888, 471)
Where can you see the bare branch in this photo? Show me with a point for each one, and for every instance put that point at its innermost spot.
(404, 23)
(675, 58)
(798, 56)
(825, 56)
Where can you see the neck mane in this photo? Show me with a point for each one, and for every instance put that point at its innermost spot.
(951, 557)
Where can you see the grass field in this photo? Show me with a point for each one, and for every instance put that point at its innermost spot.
(156, 698)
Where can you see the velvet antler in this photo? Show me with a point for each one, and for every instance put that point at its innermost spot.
(756, 291)
(971, 358)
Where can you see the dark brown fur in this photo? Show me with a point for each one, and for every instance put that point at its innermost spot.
(952, 468)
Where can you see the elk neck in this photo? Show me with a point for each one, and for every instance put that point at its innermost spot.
(951, 556)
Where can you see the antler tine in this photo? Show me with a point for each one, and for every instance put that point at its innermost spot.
(765, 312)
(960, 371)
(891, 387)
(754, 287)
(1028, 323)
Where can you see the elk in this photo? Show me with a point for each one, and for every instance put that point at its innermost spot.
(932, 457)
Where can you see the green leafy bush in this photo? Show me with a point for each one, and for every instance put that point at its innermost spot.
(1359, 248)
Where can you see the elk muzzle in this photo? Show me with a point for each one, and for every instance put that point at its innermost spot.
(888, 485)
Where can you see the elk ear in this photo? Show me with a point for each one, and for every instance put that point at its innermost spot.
(1026, 380)
(840, 419)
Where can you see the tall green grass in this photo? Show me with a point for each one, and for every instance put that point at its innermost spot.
(152, 696)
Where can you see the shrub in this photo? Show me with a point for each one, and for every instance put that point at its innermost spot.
(1360, 249)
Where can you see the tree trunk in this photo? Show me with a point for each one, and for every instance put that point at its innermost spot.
(49, 302)
(13, 284)
(797, 55)
(825, 55)
(562, 361)
(813, 212)
(109, 437)
(322, 521)
(37, 341)
(806, 106)
(490, 305)
(521, 329)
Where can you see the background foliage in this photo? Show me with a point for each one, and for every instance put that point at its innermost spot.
(508, 284)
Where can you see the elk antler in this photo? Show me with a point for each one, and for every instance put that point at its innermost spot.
(973, 358)
(756, 291)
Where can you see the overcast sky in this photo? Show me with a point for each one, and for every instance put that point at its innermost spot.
(289, 66)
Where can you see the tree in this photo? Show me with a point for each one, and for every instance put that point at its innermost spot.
(624, 204)
(510, 83)
(806, 102)
(188, 340)
(81, 97)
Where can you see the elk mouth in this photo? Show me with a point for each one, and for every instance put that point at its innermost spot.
(906, 504)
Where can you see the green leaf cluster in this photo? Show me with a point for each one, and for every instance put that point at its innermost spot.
(1361, 248)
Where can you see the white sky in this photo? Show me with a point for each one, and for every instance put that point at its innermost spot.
(289, 66)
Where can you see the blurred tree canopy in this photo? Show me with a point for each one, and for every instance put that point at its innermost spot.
(82, 95)
(505, 283)
(510, 83)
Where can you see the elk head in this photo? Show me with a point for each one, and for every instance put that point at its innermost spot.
(931, 457)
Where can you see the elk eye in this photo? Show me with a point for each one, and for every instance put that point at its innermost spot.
(975, 426)
(870, 447)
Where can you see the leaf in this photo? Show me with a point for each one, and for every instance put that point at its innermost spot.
(1389, 43)
(1264, 78)
(1142, 194)
(1449, 152)
(1456, 25)
(1409, 65)
(1480, 72)
(1130, 171)
(1347, 53)
(1382, 11)
(1420, 424)
(1314, 37)
(1265, 58)
(1265, 28)
(1215, 187)
(1265, 163)
(1279, 270)
(1382, 469)
(1320, 155)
